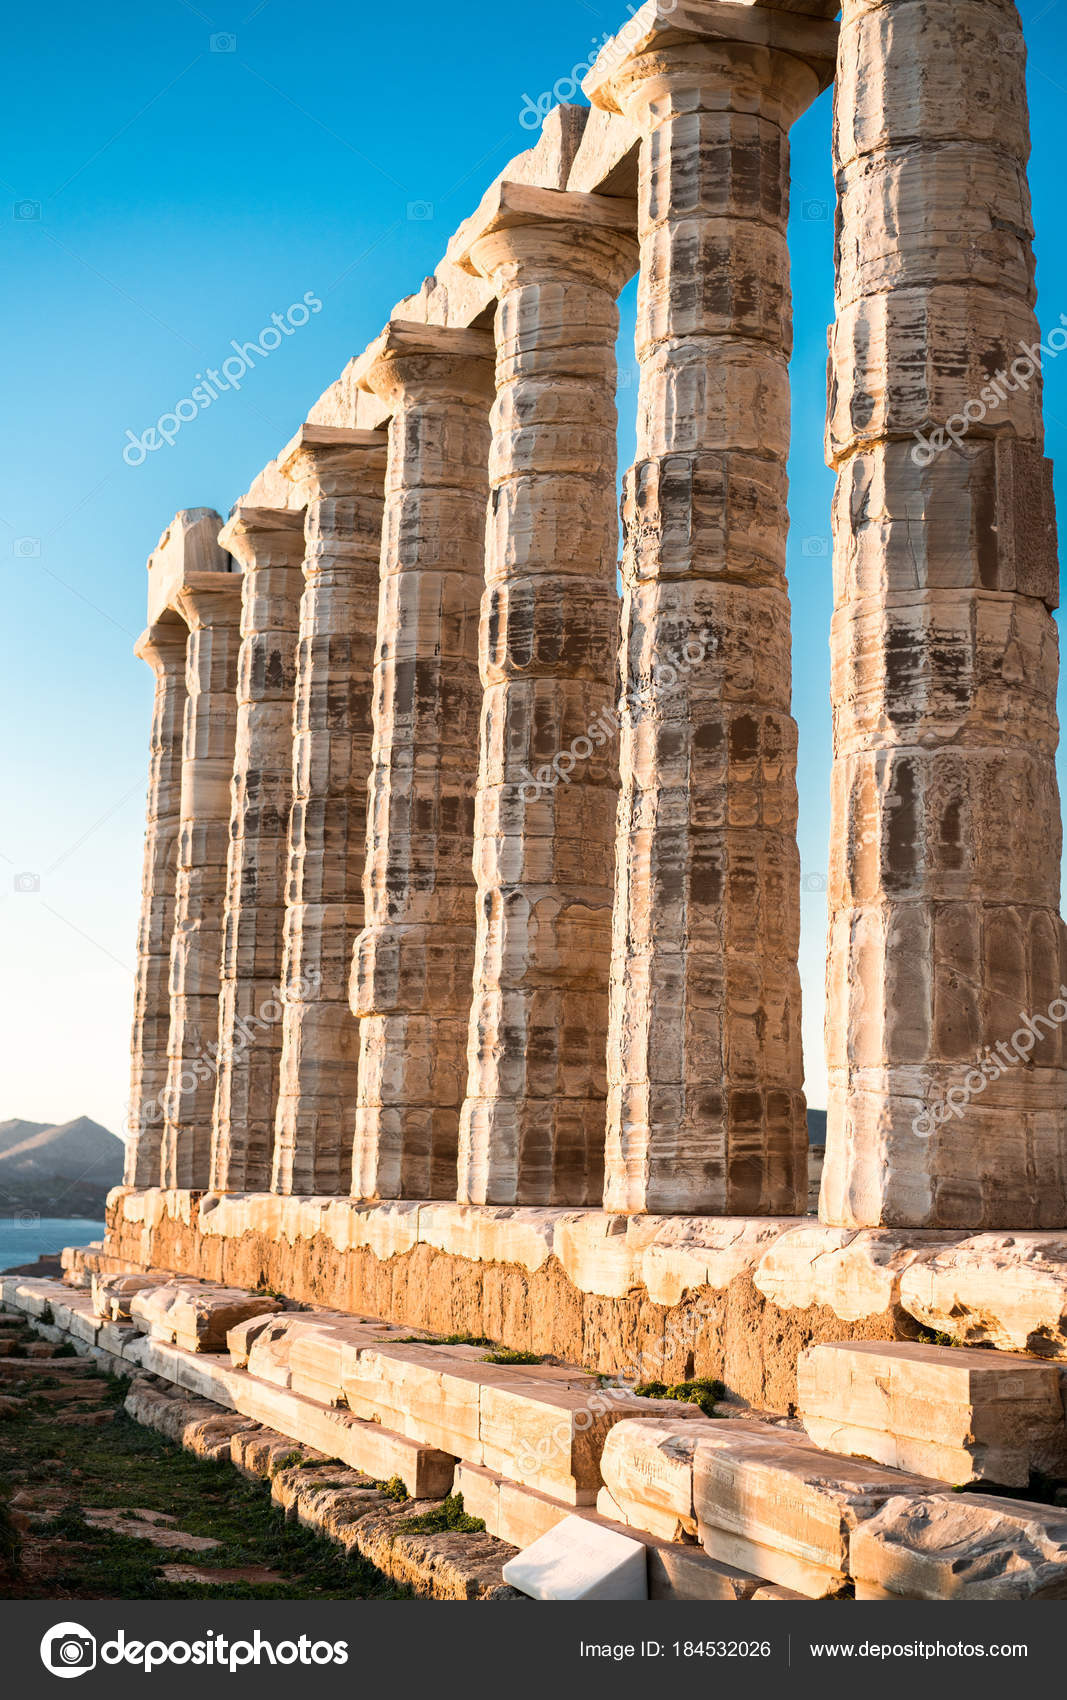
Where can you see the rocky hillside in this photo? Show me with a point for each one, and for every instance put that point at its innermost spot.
(64, 1170)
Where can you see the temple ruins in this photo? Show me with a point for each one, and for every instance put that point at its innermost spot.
(468, 994)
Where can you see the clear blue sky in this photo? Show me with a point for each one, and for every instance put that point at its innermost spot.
(177, 197)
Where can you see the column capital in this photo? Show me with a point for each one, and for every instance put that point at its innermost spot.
(323, 458)
(412, 359)
(162, 645)
(210, 599)
(670, 44)
(541, 231)
(251, 533)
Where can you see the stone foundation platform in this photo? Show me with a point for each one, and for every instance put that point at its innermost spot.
(648, 1298)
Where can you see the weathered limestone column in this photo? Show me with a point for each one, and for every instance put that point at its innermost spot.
(411, 981)
(269, 544)
(705, 1109)
(341, 472)
(532, 1126)
(948, 1093)
(163, 647)
(211, 604)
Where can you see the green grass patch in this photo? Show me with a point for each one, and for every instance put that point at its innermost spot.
(394, 1488)
(122, 1464)
(506, 1356)
(706, 1394)
(449, 1515)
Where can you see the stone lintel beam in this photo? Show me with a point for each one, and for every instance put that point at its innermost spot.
(340, 472)
(189, 545)
(413, 962)
(532, 1126)
(511, 206)
(210, 602)
(269, 543)
(662, 25)
(163, 647)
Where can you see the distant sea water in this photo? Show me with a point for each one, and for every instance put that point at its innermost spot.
(27, 1237)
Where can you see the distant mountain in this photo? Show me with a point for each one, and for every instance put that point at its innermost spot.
(816, 1128)
(79, 1150)
(15, 1131)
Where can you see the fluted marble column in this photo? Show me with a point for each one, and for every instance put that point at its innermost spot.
(946, 1011)
(411, 981)
(341, 472)
(163, 646)
(211, 604)
(269, 544)
(532, 1126)
(706, 1110)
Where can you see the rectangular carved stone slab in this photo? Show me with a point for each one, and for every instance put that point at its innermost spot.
(196, 1317)
(780, 1508)
(961, 1416)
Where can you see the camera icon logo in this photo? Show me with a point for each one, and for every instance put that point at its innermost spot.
(420, 212)
(224, 42)
(27, 548)
(815, 548)
(816, 212)
(27, 881)
(68, 1650)
(27, 211)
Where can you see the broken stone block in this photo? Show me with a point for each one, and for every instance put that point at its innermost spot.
(113, 1294)
(959, 1416)
(580, 1560)
(961, 1547)
(773, 1592)
(197, 1318)
(1004, 1290)
(777, 1507)
(239, 1338)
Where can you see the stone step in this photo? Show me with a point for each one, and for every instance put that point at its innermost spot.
(957, 1415)
(197, 1316)
(112, 1294)
(961, 1547)
(648, 1472)
(775, 1505)
(520, 1515)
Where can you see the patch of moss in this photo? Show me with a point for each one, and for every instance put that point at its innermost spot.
(443, 1340)
(934, 1337)
(394, 1488)
(287, 1461)
(449, 1515)
(706, 1394)
(65, 1349)
(504, 1356)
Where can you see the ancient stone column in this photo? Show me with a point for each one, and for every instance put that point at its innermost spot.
(945, 1014)
(532, 1126)
(706, 1110)
(211, 604)
(269, 544)
(341, 472)
(163, 647)
(411, 982)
